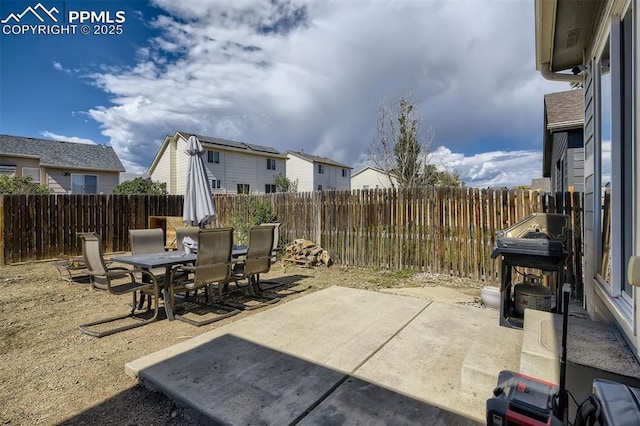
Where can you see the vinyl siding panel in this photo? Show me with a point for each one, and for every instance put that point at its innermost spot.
(239, 168)
(559, 154)
(575, 167)
(302, 171)
(372, 179)
(162, 171)
(61, 184)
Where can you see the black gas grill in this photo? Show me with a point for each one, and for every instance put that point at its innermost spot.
(538, 242)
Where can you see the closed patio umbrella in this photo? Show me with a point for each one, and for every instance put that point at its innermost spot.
(198, 206)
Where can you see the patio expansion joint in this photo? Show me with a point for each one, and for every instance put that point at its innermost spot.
(357, 367)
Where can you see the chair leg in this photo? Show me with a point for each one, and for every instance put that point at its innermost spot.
(229, 311)
(86, 328)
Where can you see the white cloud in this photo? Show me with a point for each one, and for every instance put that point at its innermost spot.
(62, 138)
(491, 169)
(58, 66)
(311, 76)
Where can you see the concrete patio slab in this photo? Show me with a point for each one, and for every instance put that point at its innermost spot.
(353, 356)
(337, 328)
(425, 360)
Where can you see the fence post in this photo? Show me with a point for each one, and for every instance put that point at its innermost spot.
(2, 230)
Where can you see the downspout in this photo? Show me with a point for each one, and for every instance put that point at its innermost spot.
(558, 76)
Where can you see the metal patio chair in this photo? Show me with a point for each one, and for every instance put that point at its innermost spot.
(213, 266)
(256, 262)
(117, 281)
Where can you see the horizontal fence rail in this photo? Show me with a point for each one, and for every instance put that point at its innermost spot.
(430, 229)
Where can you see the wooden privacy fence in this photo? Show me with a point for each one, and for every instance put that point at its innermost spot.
(45, 226)
(431, 229)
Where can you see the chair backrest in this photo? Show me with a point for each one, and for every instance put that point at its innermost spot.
(145, 241)
(258, 258)
(276, 239)
(213, 261)
(94, 257)
(186, 231)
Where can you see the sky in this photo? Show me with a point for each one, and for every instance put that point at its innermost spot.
(303, 75)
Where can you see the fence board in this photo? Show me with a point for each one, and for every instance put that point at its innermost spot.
(432, 229)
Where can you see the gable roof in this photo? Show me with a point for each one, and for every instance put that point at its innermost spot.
(62, 154)
(317, 159)
(564, 109)
(243, 146)
(375, 169)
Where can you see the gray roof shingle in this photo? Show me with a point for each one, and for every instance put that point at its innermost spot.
(62, 154)
(317, 159)
(563, 108)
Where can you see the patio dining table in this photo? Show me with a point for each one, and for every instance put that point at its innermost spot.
(167, 260)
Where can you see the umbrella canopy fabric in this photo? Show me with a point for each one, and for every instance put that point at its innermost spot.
(198, 206)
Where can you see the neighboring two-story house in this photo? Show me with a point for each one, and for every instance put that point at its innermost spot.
(563, 152)
(373, 178)
(315, 173)
(65, 167)
(232, 167)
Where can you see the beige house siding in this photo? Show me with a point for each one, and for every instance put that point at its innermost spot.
(371, 178)
(59, 180)
(162, 173)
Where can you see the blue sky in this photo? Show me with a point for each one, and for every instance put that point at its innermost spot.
(292, 74)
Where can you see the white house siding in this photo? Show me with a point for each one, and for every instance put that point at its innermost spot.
(303, 172)
(371, 178)
(240, 168)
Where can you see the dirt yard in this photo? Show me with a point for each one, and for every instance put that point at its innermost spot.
(51, 373)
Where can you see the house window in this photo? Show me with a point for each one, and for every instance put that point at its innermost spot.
(613, 160)
(269, 188)
(84, 184)
(213, 156)
(215, 184)
(344, 172)
(319, 187)
(271, 164)
(32, 172)
(321, 169)
(603, 192)
(243, 188)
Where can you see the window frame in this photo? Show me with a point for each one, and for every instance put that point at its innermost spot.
(271, 163)
(243, 188)
(216, 183)
(213, 157)
(84, 177)
(320, 168)
(270, 188)
(36, 169)
(617, 292)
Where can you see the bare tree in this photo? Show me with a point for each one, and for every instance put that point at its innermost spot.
(402, 145)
